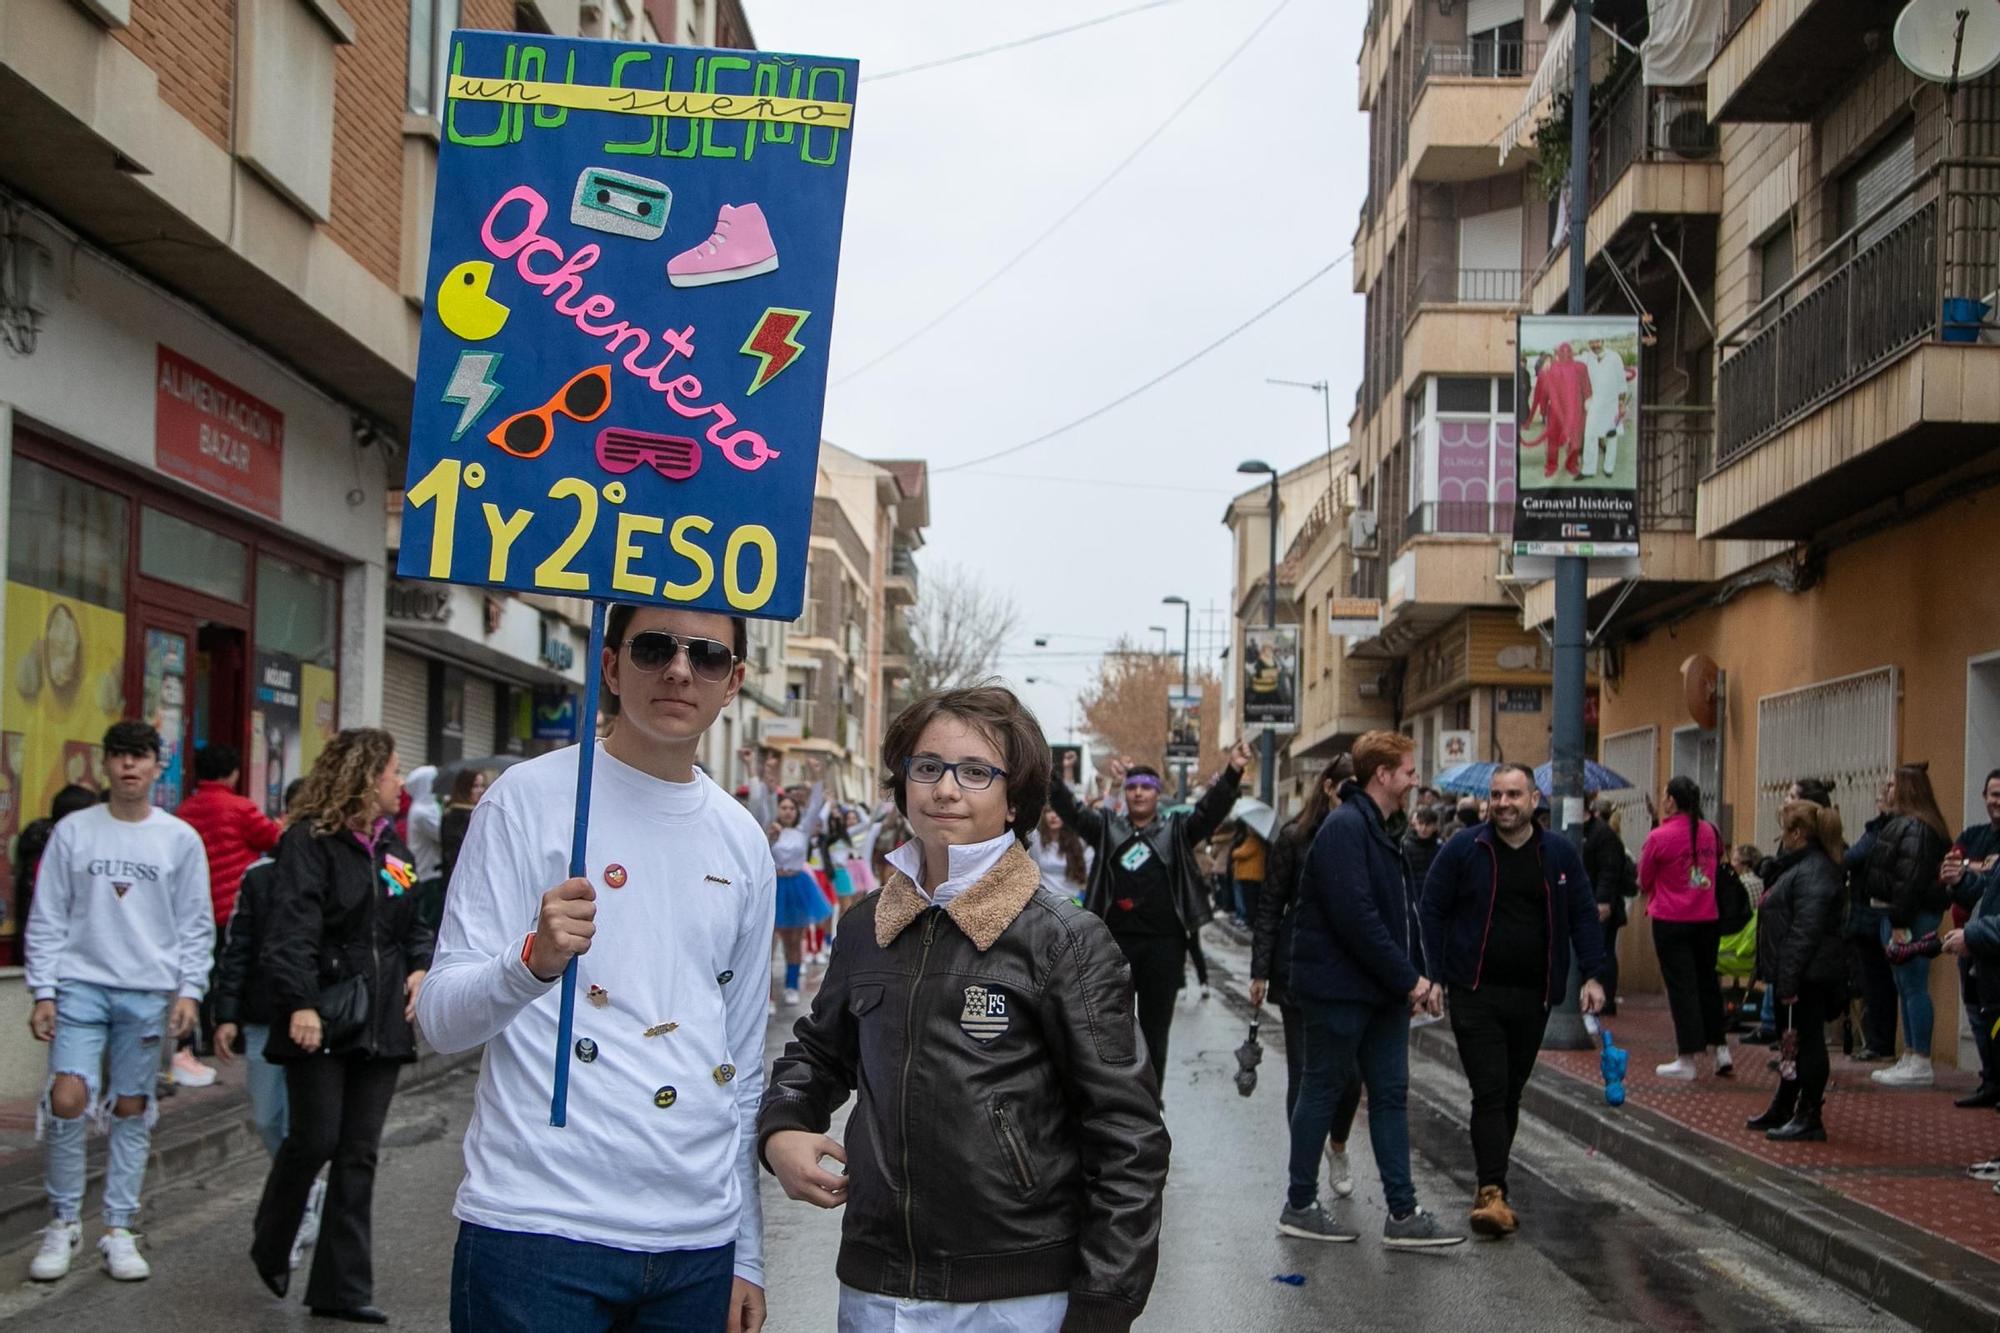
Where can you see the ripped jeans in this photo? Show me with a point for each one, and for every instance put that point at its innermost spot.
(101, 1028)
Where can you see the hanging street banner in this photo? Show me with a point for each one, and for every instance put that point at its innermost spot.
(624, 354)
(1577, 408)
(1184, 726)
(1270, 678)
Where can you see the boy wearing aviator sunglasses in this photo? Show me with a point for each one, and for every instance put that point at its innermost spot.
(1007, 1156)
(644, 1210)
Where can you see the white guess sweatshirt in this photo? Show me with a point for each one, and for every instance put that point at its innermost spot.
(122, 903)
(659, 1150)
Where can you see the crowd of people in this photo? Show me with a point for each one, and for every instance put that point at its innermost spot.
(998, 950)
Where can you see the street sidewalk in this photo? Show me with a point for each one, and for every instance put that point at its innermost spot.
(1884, 1207)
(198, 1130)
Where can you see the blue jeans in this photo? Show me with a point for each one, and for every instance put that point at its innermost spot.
(1341, 1037)
(514, 1282)
(265, 1083)
(1913, 985)
(100, 1027)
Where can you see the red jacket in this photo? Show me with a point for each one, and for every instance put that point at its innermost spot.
(235, 832)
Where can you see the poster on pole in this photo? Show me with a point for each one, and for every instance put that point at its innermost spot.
(625, 338)
(1270, 678)
(1184, 726)
(1577, 412)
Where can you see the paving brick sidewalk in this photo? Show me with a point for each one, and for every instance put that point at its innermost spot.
(1900, 1151)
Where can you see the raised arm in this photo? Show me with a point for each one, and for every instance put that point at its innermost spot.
(1087, 823)
(1220, 798)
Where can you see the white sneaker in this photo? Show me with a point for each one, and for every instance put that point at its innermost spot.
(791, 995)
(1912, 1071)
(122, 1259)
(190, 1072)
(60, 1242)
(1682, 1069)
(1725, 1063)
(1338, 1178)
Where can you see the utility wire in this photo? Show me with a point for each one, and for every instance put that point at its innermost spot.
(1072, 211)
(1160, 378)
(1016, 44)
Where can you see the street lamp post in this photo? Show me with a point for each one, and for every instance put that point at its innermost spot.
(1187, 623)
(1160, 630)
(1255, 467)
(1325, 392)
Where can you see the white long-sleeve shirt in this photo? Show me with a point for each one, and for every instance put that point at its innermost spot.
(685, 939)
(122, 903)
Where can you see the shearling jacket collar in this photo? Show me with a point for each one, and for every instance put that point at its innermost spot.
(983, 911)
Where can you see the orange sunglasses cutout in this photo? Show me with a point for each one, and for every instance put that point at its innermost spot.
(528, 434)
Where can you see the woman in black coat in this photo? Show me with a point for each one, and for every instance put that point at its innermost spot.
(1800, 955)
(1271, 956)
(344, 952)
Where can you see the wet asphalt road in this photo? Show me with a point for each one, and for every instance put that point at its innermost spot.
(1598, 1250)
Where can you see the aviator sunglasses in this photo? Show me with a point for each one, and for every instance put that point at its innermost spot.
(653, 649)
(584, 398)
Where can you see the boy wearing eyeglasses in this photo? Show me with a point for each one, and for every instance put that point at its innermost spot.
(1146, 884)
(643, 1211)
(1006, 1160)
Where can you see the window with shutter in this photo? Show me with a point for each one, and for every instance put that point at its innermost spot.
(406, 706)
(1876, 179)
(481, 717)
(1842, 731)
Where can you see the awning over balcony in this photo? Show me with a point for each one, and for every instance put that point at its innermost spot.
(1555, 75)
(1682, 37)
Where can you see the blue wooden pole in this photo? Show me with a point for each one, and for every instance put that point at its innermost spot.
(586, 751)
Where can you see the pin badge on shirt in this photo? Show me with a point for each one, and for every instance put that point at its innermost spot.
(716, 879)
(1135, 856)
(723, 1073)
(724, 978)
(661, 1029)
(665, 1097)
(597, 995)
(586, 1049)
(614, 875)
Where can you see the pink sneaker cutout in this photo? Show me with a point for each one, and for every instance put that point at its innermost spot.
(740, 248)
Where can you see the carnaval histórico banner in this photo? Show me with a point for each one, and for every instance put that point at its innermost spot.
(1577, 407)
(1269, 680)
(624, 355)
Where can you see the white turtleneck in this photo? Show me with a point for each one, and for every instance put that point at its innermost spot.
(969, 863)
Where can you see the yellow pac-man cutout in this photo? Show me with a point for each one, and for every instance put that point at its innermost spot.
(463, 305)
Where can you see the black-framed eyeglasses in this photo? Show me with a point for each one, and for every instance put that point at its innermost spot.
(652, 650)
(971, 774)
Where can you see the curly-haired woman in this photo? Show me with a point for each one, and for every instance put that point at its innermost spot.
(344, 954)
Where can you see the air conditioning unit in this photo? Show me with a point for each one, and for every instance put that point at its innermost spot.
(1363, 536)
(1680, 127)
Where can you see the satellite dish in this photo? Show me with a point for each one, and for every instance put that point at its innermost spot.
(1949, 41)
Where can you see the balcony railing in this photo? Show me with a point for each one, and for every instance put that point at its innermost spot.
(1367, 579)
(1857, 307)
(903, 565)
(1649, 125)
(1674, 446)
(1454, 518)
(1472, 286)
(1479, 60)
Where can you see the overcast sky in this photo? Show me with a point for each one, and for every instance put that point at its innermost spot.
(1256, 186)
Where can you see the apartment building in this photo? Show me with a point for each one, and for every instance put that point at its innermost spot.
(1822, 428)
(845, 657)
(1449, 243)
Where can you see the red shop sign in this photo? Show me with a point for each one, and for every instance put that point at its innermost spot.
(209, 432)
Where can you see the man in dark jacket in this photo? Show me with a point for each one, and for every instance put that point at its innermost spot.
(1420, 846)
(1504, 906)
(1145, 885)
(1356, 973)
(1605, 861)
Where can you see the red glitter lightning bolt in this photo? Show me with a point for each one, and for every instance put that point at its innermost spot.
(775, 344)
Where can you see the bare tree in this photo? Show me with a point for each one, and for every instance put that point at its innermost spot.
(957, 628)
(1126, 707)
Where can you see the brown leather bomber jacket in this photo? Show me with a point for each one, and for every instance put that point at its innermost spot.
(1008, 1140)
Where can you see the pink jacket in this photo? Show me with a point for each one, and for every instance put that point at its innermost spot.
(1664, 877)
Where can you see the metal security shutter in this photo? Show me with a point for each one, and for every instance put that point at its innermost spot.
(1633, 755)
(1843, 731)
(1874, 181)
(480, 710)
(406, 706)
(1485, 15)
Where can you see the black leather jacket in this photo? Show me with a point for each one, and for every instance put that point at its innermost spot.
(1172, 838)
(1903, 869)
(238, 993)
(1007, 1141)
(332, 916)
(1271, 932)
(1799, 923)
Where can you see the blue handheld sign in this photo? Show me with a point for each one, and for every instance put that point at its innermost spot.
(623, 366)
